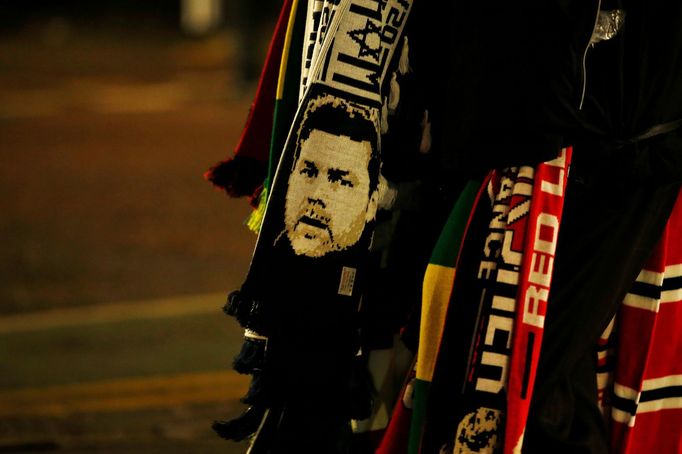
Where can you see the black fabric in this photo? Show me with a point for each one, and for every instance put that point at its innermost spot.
(406, 232)
(634, 83)
(449, 378)
(251, 357)
(610, 227)
(569, 422)
(392, 299)
(619, 197)
(239, 428)
(510, 87)
(304, 430)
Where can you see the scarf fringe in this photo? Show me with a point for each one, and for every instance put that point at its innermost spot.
(394, 94)
(247, 312)
(255, 219)
(251, 357)
(241, 427)
(404, 63)
(384, 116)
(425, 143)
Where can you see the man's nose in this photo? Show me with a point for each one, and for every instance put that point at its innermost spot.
(314, 201)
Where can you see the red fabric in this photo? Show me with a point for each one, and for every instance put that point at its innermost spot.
(397, 434)
(541, 236)
(255, 139)
(646, 415)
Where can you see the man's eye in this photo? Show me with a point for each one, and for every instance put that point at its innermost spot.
(345, 182)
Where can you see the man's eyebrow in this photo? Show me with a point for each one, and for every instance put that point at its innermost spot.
(340, 176)
(338, 172)
(309, 169)
(309, 166)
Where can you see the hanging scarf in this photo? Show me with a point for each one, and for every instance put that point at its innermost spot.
(643, 395)
(304, 284)
(498, 304)
(410, 409)
(243, 173)
(338, 117)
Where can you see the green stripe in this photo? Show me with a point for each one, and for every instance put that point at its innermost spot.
(444, 254)
(447, 248)
(285, 108)
(421, 394)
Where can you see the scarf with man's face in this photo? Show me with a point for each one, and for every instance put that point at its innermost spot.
(304, 285)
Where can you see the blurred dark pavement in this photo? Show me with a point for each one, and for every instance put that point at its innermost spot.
(104, 142)
(116, 253)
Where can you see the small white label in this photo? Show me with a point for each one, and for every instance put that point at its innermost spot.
(347, 281)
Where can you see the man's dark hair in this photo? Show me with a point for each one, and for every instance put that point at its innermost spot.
(343, 120)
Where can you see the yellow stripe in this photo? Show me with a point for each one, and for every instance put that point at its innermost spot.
(124, 394)
(285, 50)
(437, 287)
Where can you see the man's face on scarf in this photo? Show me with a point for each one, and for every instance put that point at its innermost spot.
(328, 194)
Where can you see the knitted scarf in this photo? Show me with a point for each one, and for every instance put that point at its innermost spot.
(306, 273)
(410, 409)
(642, 382)
(337, 119)
(490, 342)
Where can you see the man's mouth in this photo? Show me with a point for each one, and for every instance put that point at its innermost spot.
(312, 221)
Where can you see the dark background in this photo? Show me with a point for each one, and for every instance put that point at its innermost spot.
(109, 115)
(116, 254)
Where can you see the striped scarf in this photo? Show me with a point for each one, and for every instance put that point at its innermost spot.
(640, 377)
(470, 368)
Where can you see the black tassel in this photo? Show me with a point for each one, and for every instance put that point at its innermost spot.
(237, 307)
(257, 394)
(247, 311)
(251, 357)
(240, 427)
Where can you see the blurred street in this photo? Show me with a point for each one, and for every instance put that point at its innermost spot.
(116, 254)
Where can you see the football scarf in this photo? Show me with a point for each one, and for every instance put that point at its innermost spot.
(490, 344)
(264, 119)
(304, 284)
(438, 279)
(325, 189)
(437, 289)
(643, 396)
(536, 276)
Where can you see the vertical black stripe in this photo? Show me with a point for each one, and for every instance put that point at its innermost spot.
(528, 365)
(366, 12)
(325, 67)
